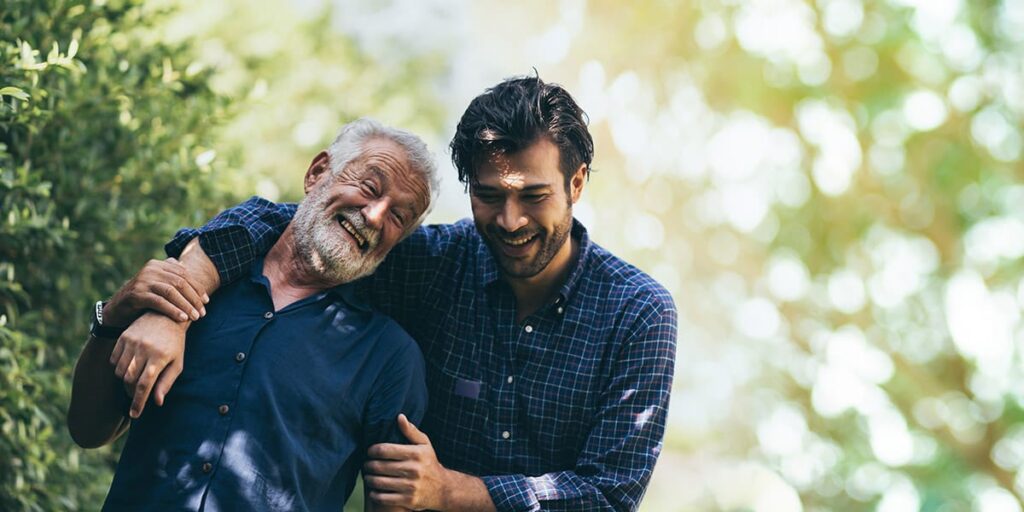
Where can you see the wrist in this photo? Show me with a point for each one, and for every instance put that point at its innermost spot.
(100, 326)
(449, 484)
(112, 317)
(157, 317)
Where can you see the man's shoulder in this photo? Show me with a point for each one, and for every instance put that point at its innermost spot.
(438, 240)
(460, 232)
(625, 283)
(394, 341)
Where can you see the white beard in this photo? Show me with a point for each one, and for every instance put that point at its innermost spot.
(325, 247)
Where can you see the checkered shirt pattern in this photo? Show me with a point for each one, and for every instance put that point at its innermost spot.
(563, 411)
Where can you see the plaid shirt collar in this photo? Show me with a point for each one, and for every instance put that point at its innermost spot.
(490, 276)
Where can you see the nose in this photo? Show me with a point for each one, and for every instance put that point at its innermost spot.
(511, 217)
(375, 212)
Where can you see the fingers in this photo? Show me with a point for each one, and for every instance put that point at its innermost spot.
(176, 296)
(390, 468)
(165, 381)
(389, 499)
(410, 431)
(186, 285)
(124, 361)
(115, 355)
(200, 295)
(388, 451)
(142, 388)
(167, 308)
(387, 483)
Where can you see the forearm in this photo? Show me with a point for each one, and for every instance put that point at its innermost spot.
(467, 492)
(568, 490)
(97, 414)
(199, 267)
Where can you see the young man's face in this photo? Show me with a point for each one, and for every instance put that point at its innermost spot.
(522, 208)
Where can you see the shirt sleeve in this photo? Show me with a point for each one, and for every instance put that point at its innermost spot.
(401, 388)
(619, 454)
(237, 235)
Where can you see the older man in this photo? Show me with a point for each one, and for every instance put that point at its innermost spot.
(290, 376)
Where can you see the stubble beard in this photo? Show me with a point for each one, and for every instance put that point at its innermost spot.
(322, 245)
(550, 243)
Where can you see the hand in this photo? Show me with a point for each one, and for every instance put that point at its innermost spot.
(162, 286)
(406, 476)
(149, 356)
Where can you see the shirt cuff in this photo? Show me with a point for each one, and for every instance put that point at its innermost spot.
(511, 493)
(229, 248)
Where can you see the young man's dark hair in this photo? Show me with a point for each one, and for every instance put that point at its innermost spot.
(513, 115)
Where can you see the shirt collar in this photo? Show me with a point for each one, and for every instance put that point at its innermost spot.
(489, 274)
(347, 292)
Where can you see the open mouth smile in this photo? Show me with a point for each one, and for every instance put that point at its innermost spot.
(518, 247)
(518, 242)
(360, 239)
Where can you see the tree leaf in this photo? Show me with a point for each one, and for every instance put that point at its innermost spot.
(15, 93)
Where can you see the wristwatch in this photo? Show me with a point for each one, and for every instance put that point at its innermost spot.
(97, 329)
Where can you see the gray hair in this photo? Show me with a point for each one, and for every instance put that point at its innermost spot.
(348, 145)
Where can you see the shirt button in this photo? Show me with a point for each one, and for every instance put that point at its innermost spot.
(268, 315)
(223, 409)
(240, 357)
(506, 435)
(509, 379)
(561, 310)
(207, 467)
(529, 328)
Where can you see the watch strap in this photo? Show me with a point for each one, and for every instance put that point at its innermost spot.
(97, 329)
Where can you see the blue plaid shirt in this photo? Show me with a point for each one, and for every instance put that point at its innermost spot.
(564, 411)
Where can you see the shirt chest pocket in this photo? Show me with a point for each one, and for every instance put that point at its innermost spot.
(457, 415)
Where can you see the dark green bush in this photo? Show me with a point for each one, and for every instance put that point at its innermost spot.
(100, 129)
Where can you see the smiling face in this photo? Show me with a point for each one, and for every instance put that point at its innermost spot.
(350, 220)
(523, 209)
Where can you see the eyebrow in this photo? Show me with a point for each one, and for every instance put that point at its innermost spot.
(379, 173)
(529, 188)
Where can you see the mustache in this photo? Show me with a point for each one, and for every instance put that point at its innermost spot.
(355, 217)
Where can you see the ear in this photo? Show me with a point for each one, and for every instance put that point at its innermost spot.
(318, 168)
(577, 181)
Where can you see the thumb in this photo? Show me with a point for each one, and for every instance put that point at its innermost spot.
(410, 431)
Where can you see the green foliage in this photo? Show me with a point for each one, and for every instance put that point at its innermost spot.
(100, 127)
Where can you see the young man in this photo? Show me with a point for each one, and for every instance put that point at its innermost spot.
(549, 360)
(289, 377)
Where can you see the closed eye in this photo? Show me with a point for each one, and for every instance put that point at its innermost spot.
(370, 187)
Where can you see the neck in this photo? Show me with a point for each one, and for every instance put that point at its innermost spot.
(291, 278)
(532, 292)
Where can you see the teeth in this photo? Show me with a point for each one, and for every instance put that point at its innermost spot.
(518, 241)
(352, 230)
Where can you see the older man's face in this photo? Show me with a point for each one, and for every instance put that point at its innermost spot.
(348, 223)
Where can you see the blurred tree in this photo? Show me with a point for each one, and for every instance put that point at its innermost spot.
(101, 134)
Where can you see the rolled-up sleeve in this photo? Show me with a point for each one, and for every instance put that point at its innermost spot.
(234, 238)
(620, 452)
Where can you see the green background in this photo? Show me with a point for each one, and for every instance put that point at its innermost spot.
(829, 188)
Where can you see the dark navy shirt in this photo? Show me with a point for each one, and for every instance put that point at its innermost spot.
(274, 409)
(564, 411)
